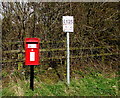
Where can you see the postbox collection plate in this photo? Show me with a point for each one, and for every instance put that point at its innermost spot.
(32, 45)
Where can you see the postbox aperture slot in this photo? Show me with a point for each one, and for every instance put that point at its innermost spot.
(32, 44)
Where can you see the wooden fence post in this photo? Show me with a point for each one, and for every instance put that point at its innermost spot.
(20, 64)
(103, 59)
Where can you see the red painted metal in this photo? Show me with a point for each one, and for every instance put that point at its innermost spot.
(32, 54)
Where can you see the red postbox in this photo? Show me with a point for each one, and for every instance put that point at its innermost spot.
(32, 51)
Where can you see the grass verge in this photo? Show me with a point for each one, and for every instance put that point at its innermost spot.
(92, 85)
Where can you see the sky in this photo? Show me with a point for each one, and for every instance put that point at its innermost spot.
(1, 17)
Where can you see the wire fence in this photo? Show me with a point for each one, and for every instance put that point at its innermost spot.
(94, 44)
(81, 58)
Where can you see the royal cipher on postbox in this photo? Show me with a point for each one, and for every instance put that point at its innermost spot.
(32, 51)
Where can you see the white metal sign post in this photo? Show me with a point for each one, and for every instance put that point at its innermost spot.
(68, 27)
(68, 59)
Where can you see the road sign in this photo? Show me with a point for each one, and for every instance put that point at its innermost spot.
(68, 27)
(68, 24)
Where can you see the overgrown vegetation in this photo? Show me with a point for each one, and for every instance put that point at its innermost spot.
(94, 48)
(90, 85)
